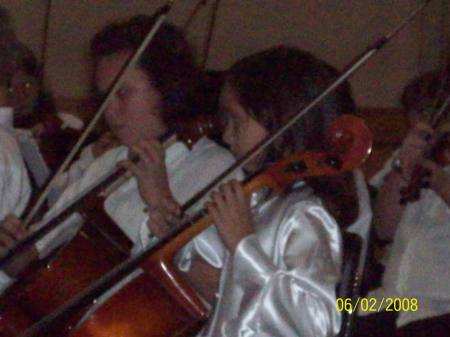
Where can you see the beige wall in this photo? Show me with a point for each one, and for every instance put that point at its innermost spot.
(335, 30)
(28, 18)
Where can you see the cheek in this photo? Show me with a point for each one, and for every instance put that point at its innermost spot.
(240, 143)
(110, 113)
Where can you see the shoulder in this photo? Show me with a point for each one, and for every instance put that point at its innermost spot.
(303, 203)
(210, 150)
(9, 147)
(298, 204)
(210, 157)
(300, 230)
(303, 213)
(108, 159)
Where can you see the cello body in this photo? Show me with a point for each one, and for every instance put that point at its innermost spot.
(158, 301)
(150, 300)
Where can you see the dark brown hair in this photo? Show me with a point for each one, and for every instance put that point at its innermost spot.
(274, 84)
(44, 103)
(8, 46)
(167, 61)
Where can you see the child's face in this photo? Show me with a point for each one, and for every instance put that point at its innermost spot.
(135, 112)
(241, 131)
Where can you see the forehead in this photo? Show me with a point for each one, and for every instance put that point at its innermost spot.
(109, 66)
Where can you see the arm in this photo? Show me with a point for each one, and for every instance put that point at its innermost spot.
(153, 185)
(291, 290)
(12, 231)
(204, 278)
(388, 210)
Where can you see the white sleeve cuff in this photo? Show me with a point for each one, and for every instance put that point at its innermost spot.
(63, 233)
(6, 116)
(5, 281)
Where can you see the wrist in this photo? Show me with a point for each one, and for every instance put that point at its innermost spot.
(163, 202)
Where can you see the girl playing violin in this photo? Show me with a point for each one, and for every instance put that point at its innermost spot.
(279, 255)
(160, 89)
(418, 264)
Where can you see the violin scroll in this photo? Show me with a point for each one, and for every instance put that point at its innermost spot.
(349, 143)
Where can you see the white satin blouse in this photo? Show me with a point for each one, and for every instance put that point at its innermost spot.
(281, 280)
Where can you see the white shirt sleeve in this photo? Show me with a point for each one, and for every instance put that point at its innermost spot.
(208, 165)
(378, 179)
(74, 173)
(281, 279)
(15, 187)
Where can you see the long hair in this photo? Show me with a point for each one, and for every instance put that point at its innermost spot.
(277, 83)
(44, 103)
(168, 61)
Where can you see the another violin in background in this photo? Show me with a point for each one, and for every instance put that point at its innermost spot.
(158, 302)
(34, 110)
(438, 151)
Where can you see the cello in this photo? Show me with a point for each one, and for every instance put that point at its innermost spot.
(332, 162)
(158, 301)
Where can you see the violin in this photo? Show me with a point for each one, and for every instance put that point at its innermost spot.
(53, 140)
(142, 308)
(97, 248)
(439, 152)
(160, 302)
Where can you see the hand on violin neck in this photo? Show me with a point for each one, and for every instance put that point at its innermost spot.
(230, 210)
(151, 174)
(11, 231)
(164, 217)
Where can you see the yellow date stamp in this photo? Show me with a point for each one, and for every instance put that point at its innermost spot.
(372, 304)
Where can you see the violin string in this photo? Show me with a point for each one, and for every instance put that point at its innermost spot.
(44, 225)
(96, 287)
(265, 143)
(209, 35)
(118, 81)
(195, 11)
